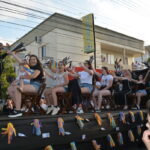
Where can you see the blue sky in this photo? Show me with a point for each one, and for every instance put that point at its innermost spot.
(130, 17)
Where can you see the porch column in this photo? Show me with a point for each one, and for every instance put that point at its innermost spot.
(124, 55)
(98, 55)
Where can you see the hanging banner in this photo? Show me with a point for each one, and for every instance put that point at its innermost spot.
(88, 33)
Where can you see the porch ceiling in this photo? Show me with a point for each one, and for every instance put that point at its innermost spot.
(119, 49)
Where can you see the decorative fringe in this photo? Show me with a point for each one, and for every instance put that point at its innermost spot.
(73, 146)
(111, 120)
(141, 115)
(95, 145)
(131, 136)
(60, 123)
(122, 117)
(98, 118)
(132, 116)
(139, 130)
(49, 147)
(120, 138)
(110, 140)
(10, 130)
(80, 121)
(36, 127)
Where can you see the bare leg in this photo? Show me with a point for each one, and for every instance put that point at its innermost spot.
(17, 98)
(85, 90)
(26, 89)
(100, 95)
(139, 95)
(95, 93)
(10, 91)
(54, 94)
(48, 96)
(21, 85)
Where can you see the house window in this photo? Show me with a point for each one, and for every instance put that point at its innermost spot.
(104, 57)
(43, 51)
(110, 59)
(126, 61)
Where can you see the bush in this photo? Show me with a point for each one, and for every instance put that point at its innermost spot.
(8, 73)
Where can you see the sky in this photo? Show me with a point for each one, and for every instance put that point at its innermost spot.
(130, 17)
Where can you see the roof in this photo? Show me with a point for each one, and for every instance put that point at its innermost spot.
(56, 20)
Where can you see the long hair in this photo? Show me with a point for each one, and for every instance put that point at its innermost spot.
(38, 62)
(89, 64)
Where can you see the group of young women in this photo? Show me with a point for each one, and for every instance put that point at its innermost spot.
(81, 82)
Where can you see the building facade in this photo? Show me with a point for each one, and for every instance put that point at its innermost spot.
(60, 36)
(146, 56)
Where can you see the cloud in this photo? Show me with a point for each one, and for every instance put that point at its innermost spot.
(130, 17)
(9, 40)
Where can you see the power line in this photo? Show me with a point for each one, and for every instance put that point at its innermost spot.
(78, 27)
(48, 5)
(62, 33)
(13, 27)
(21, 13)
(52, 20)
(72, 13)
(18, 18)
(106, 18)
(31, 9)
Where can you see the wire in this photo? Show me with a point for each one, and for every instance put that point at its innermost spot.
(31, 9)
(21, 13)
(80, 28)
(72, 13)
(19, 18)
(101, 20)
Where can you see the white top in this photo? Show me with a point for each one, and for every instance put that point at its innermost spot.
(85, 77)
(22, 74)
(50, 82)
(105, 79)
(60, 78)
(98, 83)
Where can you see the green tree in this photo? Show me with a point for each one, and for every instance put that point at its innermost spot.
(148, 60)
(8, 73)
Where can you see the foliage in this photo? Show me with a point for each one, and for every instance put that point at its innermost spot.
(8, 73)
(148, 60)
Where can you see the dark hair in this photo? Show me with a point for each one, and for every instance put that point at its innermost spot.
(106, 69)
(89, 64)
(61, 63)
(38, 62)
(148, 107)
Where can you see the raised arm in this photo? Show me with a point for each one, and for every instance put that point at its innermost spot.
(145, 78)
(31, 76)
(119, 78)
(50, 76)
(20, 61)
(76, 75)
(96, 73)
(135, 81)
(86, 69)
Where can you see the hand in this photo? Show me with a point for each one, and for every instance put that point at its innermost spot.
(146, 138)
